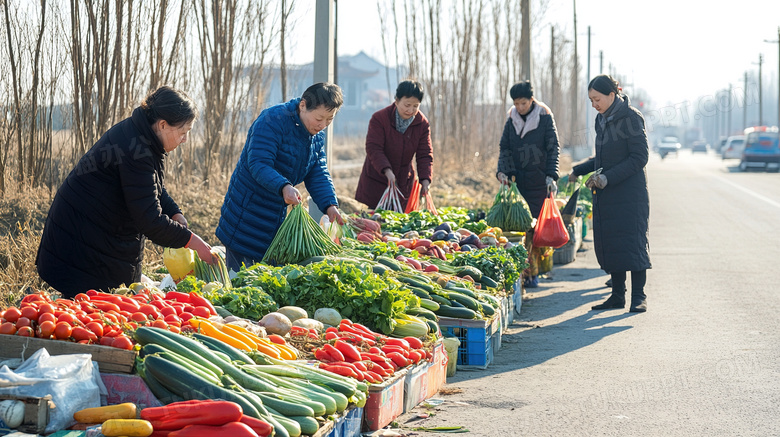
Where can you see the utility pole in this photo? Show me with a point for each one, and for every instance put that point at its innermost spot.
(778, 72)
(574, 80)
(744, 103)
(728, 126)
(525, 38)
(760, 100)
(587, 101)
(552, 66)
(601, 61)
(324, 64)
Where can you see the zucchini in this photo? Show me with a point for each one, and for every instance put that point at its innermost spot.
(182, 345)
(434, 327)
(451, 286)
(297, 397)
(180, 381)
(389, 262)
(285, 407)
(309, 425)
(416, 283)
(292, 427)
(464, 300)
(419, 292)
(222, 312)
(311, 388)
(456, 304)
(379, 269)
(487, 309)
(488, 282)
(472, 271)
(151, 348)
(441, 300)
(422, 313)
(458, 313)
(492, 300)
(429, 304)
(220, 346)
(159, 391)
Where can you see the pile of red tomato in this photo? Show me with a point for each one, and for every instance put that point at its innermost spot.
(101, 318)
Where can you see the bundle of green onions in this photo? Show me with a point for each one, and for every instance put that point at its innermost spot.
(299, 238)
(217, 272)
(509, 211)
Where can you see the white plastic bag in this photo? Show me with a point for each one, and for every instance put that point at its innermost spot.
(73, 381)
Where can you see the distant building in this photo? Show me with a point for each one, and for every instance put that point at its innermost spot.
(363, 79)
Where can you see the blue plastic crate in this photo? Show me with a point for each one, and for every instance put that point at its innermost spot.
(348, 425)
(476, 345)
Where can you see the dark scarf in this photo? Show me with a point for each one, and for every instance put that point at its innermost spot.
(523, 116)
(400, 124)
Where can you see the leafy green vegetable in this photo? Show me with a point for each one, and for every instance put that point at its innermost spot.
(190, 283)
(497, 263)
(348, 286)
(248, 302)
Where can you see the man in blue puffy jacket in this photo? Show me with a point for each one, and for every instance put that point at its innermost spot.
(285, 146)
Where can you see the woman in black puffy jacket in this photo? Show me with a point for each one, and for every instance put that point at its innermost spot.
(115, 198)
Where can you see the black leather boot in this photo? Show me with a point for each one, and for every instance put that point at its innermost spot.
(615, 300)
(638, 302)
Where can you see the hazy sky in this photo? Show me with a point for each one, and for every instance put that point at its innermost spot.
(673, 49)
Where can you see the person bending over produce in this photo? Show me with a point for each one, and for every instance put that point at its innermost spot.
(115, 198)
(285, 146)
(528, 151)
(395, 135)
(621, 202)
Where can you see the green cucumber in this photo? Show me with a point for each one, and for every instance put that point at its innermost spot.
(389, 262)
(285, 407)
(474, 272)
(416, 283)
(464, 300)
(419, 292)
(429, 304)
(159, 391)
(294, 396)
(488, 281)
(434, 327)
(151, 348)
(423, 313)
(457, 313)
(379, 269)
(487, 309)
(182, 382)
(492, 300)
(451, 286)
(292, 427)
(441, 300)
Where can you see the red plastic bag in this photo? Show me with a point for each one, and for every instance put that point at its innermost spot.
(550, 230)
(413, 204)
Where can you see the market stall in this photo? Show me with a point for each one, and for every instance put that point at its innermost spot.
(341, 330)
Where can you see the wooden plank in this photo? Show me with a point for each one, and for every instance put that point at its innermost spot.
(109, 359)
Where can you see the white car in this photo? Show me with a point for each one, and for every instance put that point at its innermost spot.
(733, 147)
(668, 145)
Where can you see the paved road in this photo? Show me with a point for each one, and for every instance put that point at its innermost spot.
(702, 361)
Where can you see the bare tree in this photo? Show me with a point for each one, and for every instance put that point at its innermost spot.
(13, 55)
(286, 10)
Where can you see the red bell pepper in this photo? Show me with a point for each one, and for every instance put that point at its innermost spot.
(334, 352)
(232, 429)
(398, 342)
(178, 296)
(200, 301)
(350, 352)
(261, 427)
(180, 414)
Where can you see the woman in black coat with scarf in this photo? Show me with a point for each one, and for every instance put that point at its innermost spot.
(621, 203)
(115, 198)
(528, 151)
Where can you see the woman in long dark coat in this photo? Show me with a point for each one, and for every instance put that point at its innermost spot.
(396, 135)
(621, 203)
(115, 198)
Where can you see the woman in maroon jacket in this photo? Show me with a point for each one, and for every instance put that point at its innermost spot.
(395, 135)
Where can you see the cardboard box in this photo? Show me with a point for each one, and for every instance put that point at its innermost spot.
(437, 372)
(416, 385)
(36, 413)
(109, 359)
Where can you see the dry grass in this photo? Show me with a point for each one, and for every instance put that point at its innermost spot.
(459, 181)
